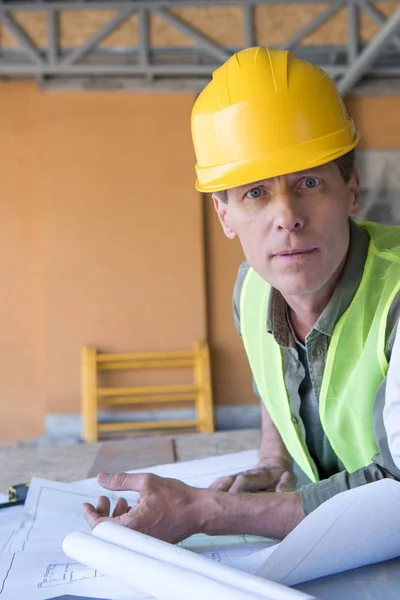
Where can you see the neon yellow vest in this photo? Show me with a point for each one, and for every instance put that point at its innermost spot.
(355, 364)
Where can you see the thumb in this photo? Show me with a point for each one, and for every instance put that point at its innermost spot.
(122, 481)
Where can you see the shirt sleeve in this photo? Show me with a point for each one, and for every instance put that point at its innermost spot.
(391, 411)
(382, 465)
(241, 276)
(237, 290)
(314, 494)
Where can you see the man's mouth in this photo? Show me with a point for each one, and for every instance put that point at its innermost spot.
(294, 253)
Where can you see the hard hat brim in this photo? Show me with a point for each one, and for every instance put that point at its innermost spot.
(299, 157)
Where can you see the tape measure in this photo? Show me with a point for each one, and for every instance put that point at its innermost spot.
(18, 492)
(16, 495)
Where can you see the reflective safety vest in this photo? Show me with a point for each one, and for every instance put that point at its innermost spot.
(355, 364)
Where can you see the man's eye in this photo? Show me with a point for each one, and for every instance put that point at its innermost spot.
(254, 193)
(310, 182)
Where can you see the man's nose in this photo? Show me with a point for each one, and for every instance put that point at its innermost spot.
(287, 212)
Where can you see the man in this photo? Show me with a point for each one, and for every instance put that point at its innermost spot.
(316, 302)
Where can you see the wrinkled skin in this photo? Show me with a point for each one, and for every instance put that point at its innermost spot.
(164, 509)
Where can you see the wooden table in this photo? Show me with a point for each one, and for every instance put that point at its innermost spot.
(73, 462)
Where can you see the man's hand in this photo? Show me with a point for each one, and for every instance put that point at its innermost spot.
(166, 509)
(172, 511)
(274, 476)
(273, 473)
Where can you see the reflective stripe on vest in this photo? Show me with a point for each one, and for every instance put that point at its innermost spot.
(355, 364)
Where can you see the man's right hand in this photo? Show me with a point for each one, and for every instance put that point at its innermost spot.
(265, 477)
(273, 473)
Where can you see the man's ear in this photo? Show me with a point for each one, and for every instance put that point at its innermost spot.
(221, 208)
(353, 187)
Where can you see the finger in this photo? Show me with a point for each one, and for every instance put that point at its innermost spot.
(222, 484)
(252, 483)
(120, 508)
(286, 483)
(91, 515)
(103, 506)
(123, 481)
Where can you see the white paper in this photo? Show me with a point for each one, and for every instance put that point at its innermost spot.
(352, 529)
(10, 519)
(32, 562)
(52, 510)
(161, 580)
(50, 573)
(175, 555)
(164, 571)
(253, 562)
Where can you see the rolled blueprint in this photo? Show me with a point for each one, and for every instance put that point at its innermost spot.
(145, 544)
(165, 580)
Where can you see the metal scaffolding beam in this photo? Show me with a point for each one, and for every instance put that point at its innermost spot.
(31, 50)
(98, 37)
(359, 67)
(36, 5)
(201, 40)
(144, 61)
(312, 26)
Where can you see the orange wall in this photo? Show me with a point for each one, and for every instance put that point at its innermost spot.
(21, 365)
(102, 242)
(101, 236)
(378, 119)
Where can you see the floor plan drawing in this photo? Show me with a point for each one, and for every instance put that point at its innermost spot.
(31, 557)
(59, 574)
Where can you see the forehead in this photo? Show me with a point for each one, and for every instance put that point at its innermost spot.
(327, 169)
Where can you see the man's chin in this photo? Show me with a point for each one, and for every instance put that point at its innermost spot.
(298, 288)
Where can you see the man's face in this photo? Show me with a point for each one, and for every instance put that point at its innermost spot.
(294, 228)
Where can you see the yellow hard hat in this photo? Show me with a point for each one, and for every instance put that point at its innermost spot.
(266, 113)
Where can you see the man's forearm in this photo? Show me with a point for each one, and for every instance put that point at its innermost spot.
(272, 447)
(265, 514)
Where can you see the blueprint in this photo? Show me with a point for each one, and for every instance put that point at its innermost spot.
(10, 519)
(31, 555)
(165, 571)
(352, 529)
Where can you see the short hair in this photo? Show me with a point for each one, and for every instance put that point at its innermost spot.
(346, 165)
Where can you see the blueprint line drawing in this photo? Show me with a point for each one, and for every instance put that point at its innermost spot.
(31, 556)
(8, 571)
(59, 574)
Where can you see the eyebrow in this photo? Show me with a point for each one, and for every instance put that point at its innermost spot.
(250, 185)
(310, 170)
(254, 184)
